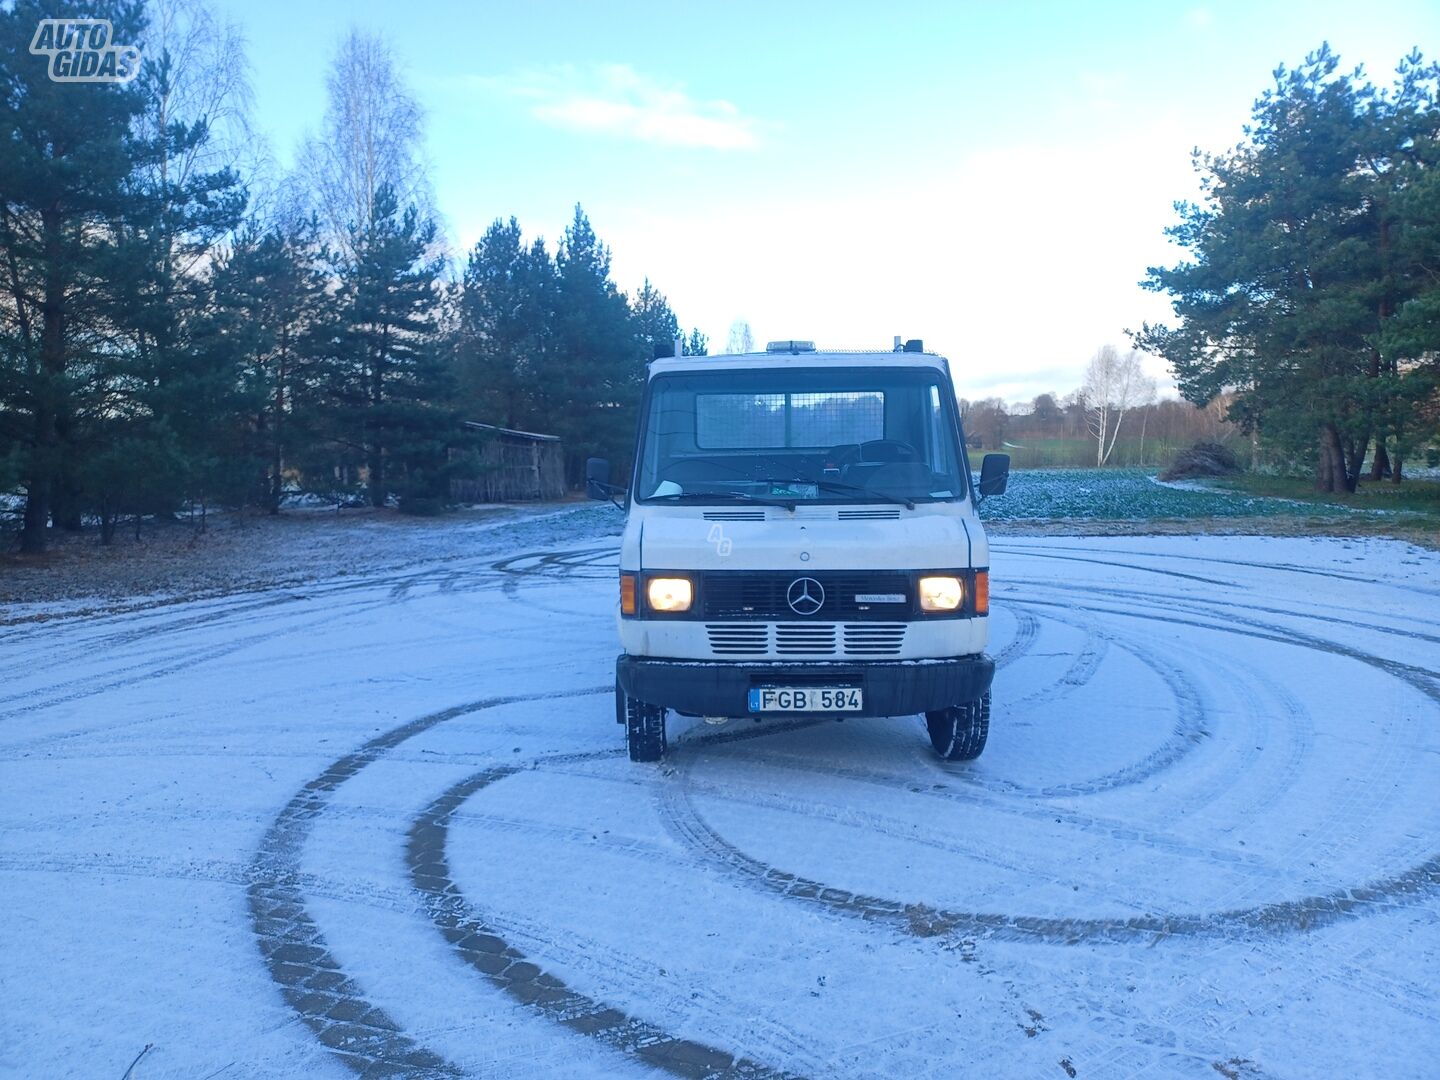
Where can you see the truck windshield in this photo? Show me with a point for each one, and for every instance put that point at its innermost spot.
(810, 435)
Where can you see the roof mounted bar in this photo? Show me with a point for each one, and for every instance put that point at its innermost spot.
(789, 346)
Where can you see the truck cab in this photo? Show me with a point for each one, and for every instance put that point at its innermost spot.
(801, 539)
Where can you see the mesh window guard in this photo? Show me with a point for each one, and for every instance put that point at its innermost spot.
(739, 421)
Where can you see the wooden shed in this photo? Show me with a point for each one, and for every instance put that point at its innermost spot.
(514, 466)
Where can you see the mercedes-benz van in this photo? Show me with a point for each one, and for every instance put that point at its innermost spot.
(801, 540)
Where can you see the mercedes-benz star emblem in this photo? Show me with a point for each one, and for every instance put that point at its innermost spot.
(805, 595)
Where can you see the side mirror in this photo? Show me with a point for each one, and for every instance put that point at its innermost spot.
(597, 478)
(994, 475)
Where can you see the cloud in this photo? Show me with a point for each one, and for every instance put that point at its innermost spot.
(1017, 262)
(616, 100)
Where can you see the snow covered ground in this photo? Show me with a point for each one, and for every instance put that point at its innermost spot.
(384, 823)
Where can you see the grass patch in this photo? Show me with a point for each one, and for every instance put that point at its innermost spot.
(1415, 496)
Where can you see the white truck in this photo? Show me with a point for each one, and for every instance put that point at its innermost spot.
(801, 539)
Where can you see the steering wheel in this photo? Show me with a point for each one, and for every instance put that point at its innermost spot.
(888, 450)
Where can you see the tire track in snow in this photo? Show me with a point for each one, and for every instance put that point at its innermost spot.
(481, 573)
(518, 570)
(930, 921)
(1187, 732)
(1364, 798)
(169, 663)
(1425, 680)
(208, 871)
(666, 992)
(555, 563)
(1026, 628)
(1335, 575)
(1153, 598)
(163, 659)
(1251, 748)
(1338, 575)
(1114, 829)
(923, 920)
(332, 1005)
(1081, 670)
(481, 947)
(253, 608)
(360, 1033)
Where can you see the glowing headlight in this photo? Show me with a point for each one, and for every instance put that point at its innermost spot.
(669, 593)
(940, 593)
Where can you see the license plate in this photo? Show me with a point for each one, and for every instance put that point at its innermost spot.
(827, 699)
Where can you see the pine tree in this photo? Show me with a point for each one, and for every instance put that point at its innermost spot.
(1404, 179)
(1410, 340)
(64, 187)
(271, 309)
(178, 378)
(1296, 269)
(596, 369)
(388, 388)
(655, 324)
(504, 326)
(590, 382)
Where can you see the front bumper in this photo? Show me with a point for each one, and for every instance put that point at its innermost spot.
(722, 687)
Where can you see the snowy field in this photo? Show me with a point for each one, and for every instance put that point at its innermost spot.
(385, 824)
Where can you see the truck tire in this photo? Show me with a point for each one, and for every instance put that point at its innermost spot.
(959, 732)
(644, 727)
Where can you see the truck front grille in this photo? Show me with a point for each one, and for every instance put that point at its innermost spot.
(812, 638)
(874, 639)
(749, 594)
(806, 639)
(742, 639)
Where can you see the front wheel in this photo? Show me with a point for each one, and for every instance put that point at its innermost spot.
(644, 726)
(959, 732)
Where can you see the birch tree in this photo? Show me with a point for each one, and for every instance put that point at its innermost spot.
(197, 74)
(1114, 383)
(741, 340)
(370, 139)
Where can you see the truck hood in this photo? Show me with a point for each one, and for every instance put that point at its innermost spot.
(812, 538)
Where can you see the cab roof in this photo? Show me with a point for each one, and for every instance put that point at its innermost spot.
(780, 361)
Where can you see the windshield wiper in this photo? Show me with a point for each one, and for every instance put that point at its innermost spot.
(847, 489)
(711, 496)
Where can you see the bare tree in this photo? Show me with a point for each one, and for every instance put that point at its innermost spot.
(205, 78)
(741, 339)
(987, 421)
(1113, 384)
(371, 138)
(196, 75)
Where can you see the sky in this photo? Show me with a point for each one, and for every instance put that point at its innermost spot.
(991, 178)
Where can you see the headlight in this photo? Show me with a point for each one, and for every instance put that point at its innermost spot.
(941, 593)
(669, 593)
